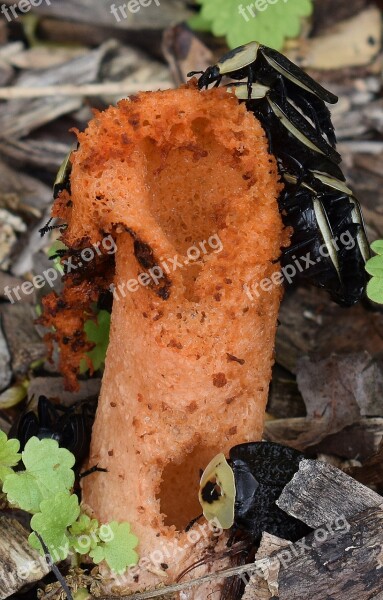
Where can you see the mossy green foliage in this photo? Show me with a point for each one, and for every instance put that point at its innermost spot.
(269, 22)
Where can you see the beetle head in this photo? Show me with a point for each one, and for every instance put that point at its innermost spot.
(209, 76)
(217, 492)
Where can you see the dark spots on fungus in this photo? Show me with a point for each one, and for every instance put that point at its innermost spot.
(217, 297)
(144, 254)
(110, 452)
(192, 407)
(134, 121)
(219, 380)
(232, 430)
(174, 344)
(113, 404)
(230, 400)
(228, 281)
(164, 292)
(232, 358)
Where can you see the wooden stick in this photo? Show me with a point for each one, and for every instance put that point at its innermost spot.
(91, 89)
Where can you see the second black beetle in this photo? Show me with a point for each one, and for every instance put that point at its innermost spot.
(241, 492)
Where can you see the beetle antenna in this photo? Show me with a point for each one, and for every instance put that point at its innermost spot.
(195, 73)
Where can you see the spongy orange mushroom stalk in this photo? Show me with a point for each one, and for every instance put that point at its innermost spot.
(184, 182)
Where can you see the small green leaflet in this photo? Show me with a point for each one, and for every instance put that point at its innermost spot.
(377, 247)
(117, 548)
(98, 333)
(84, 534)
(374, 267)
(268, 22)
(44, 489)
(9, 455)
(48, 471)
(375, 290)
(55, 516)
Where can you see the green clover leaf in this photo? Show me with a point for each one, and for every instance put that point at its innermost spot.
(268, 22)
(377, 247)
(375, 290)
(56, 515)
(98, 333)
(48, 471)
(374, 266)
(9, 455)
(84, 534)
(117, 547)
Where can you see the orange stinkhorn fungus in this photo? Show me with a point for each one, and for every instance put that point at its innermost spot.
(190, 354)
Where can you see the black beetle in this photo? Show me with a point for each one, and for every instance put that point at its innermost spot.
(263, 65)
(70, 427)
(240, 493)
(316, 202)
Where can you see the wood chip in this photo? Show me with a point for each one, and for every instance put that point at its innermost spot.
(333, 50)
(5, 362)
(319, 493)
(19, 563)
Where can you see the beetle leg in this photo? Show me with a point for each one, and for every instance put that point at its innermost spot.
(216, 83)
(250, 80)
(192, 522)
(94, 469)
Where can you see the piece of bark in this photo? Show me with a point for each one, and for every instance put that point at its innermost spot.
(5, 362)
(299, 433)
(24, 343)
(285, 400)
(326, 13)
(19, 563)
(53, 387)
(359, 441)
(185, 52)
(319, 493)
(371, 472)
(340, 560)
(338, 390)
(28, 115)
(333, 50)
(311, 324)
(156, 15)
(264, 582)
(47, 154)
(88, 34)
